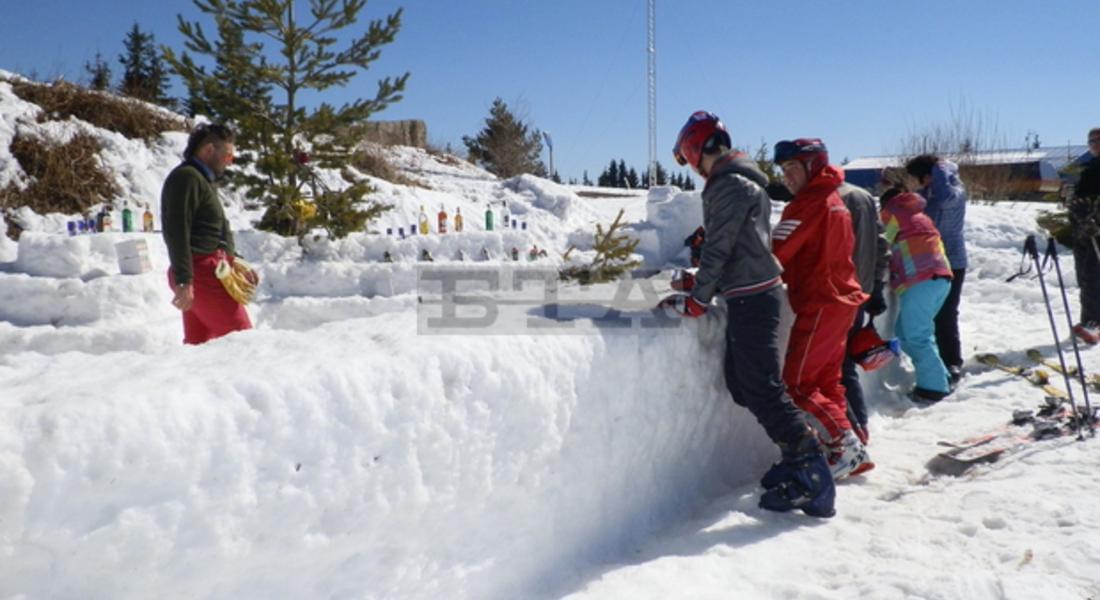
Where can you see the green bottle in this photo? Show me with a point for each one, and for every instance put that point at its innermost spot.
(489, 218)
(127, 217)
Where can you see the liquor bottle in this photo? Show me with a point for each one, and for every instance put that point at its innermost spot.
(442, 220)
(103, 220)
(425, 228)
(489, 218)
(458, 220)
(504, 215)
(147, 220)
(515, 253)
(127, 217)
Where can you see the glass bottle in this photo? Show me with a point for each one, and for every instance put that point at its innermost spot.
(489, 218)
(424, 226)
(442, 220)
(147, 219)
(127, 217)
(458, 220)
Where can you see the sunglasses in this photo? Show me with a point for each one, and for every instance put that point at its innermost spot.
(1094, 140)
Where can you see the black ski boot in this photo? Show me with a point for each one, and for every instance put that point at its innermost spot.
(802, 480)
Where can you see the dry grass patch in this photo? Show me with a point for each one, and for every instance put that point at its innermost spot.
(67, 178)
(374, 163)
(131, 118)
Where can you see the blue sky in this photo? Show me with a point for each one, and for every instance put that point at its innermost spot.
(860, 74)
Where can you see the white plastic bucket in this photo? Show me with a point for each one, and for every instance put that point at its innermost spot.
(133, 257)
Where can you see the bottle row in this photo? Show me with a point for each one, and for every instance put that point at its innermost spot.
(533, 254)
(443, 223)
(104, 221)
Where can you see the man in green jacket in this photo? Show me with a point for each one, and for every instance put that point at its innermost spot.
(198, 237)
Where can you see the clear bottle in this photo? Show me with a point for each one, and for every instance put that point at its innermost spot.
(458, 220)
(442, 220)
(127, 217)
(489, 218)
(425, 227)
(147, 220)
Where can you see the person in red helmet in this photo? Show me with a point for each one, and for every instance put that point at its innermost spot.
(813, 241)
(736, 263)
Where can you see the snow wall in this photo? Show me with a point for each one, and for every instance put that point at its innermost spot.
(342, 448)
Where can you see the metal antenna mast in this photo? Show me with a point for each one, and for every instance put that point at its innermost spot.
(651, 72)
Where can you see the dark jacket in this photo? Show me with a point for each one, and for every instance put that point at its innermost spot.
(1084, 209)
(192, 218)
(736, 258)
(946, 198)
(871, 254)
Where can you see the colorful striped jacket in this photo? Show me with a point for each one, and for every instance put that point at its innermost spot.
(917, 252)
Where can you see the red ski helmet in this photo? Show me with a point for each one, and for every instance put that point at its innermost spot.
(703, 133)
(811, 152)
(870, 351)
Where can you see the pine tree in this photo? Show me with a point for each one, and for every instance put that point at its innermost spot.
(506, 147)
(585, 180)
(287, 141)
(662, 175)
(100, 73)
(621, 180)
(632, 180)
(143, 73)
(613, 256)
(612, 174)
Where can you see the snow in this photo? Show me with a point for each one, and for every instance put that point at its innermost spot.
(348, 448)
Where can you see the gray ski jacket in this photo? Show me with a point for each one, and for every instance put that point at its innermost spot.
(871, 253)
(737, 258)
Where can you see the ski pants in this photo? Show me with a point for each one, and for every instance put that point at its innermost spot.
(214, 313)
(947, 322)
(849, 377)
(919, 304)
(1087, 266)
(752, 365)
(815, 353)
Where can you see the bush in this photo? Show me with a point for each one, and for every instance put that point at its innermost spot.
(67, 178)
(373, 162)
(131, 118)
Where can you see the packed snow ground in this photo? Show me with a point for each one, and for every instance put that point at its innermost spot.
(349, 448)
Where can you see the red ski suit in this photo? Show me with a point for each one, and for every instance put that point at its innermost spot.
(813, 241)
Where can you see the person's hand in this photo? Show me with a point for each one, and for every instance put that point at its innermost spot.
(876, 305)
(683, 281)
(683, 305)
(185, 297)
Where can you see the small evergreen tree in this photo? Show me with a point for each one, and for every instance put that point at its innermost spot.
(143, 73)
(506, 147)
(585, 180)
(622, 174)
(612, 175)
(632, 180)
(286, 141)
(613, 256)
(100, 73)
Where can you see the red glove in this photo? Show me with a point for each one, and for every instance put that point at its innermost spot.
(684, 306)
(683, 281)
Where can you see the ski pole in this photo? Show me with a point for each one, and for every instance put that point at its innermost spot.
(1052, 254)
(1031, 247)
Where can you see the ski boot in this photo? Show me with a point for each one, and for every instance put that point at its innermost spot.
(1087, 332)
(848, 456)
(800, 480)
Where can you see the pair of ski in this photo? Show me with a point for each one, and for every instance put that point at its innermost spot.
(1054, 419)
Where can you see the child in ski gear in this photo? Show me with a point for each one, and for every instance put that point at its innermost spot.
(946, 197)
(1084, 218)
(814, 241)
(871, 256)
(198, 237)
(920, 274)
(736, 263)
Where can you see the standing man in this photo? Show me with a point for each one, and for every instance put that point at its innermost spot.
(814, 242)
(736, 262)
(946, 196)
(1084, 218)
(871, 255)
(198, 237)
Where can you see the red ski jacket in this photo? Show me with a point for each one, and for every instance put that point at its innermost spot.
(813, 241)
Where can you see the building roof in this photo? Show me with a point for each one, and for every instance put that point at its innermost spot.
(1056, 156)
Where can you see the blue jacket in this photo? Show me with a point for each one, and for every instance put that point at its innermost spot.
(947, 207)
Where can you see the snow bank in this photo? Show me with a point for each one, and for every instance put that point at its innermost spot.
(671, 216)
(412, 466)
